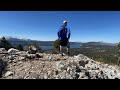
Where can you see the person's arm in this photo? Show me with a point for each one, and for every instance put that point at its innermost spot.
(69, 34)
(58, 33)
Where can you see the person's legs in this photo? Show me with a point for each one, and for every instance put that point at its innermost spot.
(67, 50)
(64, 43)
(61, 47)
(68, 47)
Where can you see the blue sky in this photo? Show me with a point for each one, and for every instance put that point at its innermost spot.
(43, 25)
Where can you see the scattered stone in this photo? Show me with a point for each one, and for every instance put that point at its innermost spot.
(22, 58)
(52, 66)
(11, 57)
(39, 56)
(78, 69)
(31, 56)
(82, 63)
(50, 58)
(8, 73)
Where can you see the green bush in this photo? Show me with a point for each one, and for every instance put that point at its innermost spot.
(56, 44)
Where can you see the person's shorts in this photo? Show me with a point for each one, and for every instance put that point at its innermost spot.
(65, 43)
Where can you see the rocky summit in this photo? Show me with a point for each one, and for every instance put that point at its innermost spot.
(15, 64)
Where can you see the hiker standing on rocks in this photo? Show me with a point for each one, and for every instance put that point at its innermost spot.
(64, 36)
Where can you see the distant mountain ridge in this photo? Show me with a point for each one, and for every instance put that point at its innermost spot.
(101, 43)
(10, 38)
(23, 41)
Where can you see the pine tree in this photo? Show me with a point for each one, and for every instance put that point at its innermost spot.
(19, 47)
(118, 49)
(5, 44)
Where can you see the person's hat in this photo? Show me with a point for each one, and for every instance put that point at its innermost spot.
(65, 21)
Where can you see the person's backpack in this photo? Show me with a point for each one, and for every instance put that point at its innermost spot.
(63, 33)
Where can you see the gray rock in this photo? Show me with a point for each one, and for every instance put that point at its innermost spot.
(50, 58)
(76, 76)
(14, 60)
(84, 78)
(32, 50)
(31, 56)
(83, 63)
(64, 54)
(81, 75)
(39, 56)
(12, 51)
(22, 58)
(118, 76)
(11, 57)
(9, 61)
(8, 73)
(45, 76)
(3, 50)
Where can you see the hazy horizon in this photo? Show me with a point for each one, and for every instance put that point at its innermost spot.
(85, 26)
(54, 40)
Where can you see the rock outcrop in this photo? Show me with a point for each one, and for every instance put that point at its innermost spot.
(22, 65)
(3, 50)
(12, 51)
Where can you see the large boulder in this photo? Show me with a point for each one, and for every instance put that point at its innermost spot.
(32, 50)
(3, 50)
(12, 51)
(8, 73)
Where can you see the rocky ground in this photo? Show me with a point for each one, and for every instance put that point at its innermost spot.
(15, 64)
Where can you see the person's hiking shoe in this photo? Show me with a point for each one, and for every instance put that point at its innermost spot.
(61, 54)
(68, 53)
